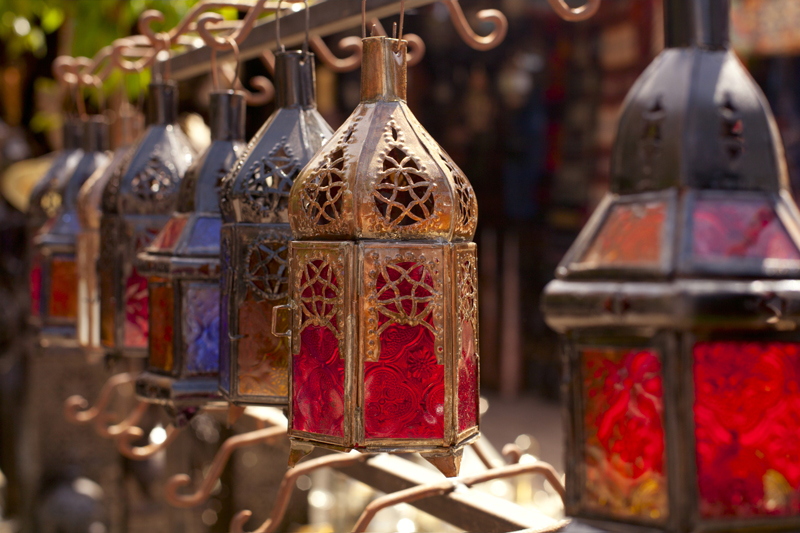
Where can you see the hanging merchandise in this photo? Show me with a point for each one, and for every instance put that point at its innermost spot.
(136, 205)
(88, 239)
(383, 284)
(183, 267)
(54, 276)
(678, 304)
(255, 237)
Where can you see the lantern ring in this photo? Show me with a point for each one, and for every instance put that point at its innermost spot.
(275, 310)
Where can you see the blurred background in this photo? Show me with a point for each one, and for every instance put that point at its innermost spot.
(530, 122)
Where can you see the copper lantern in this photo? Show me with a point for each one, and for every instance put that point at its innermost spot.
(183, 267)
(678, 304)
(136, 204)
(254, 365)
(383, 284)
(54, 277)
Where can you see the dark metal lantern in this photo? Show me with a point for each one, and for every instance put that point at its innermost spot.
(183, 267)
(137, 203)
(54, 275)
(254, 364)
(678, 304)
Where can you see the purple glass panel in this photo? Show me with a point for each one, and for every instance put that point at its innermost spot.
(201, 327)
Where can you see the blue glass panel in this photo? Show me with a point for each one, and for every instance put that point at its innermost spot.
(205, 236)
(201, 327)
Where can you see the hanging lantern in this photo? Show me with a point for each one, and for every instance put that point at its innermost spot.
(136, 205)
(256, 234)
(183, 267)
(54, 280)
(383, 284)
(88, 240)
(678, 304)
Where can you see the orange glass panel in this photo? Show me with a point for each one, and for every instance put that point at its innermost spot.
(162, 327)
(63, 301)
(263, 359)
(168, 237)
(631, 235)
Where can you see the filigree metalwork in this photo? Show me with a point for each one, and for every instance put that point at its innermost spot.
(269, 180)
(467, 277)
(404, 294)
(267, 272)
(155, 182)
(467, 212)
(322, 196)
(319, 295)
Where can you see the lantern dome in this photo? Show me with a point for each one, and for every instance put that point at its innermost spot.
(382, 176)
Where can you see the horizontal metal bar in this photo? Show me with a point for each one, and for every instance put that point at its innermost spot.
(325, 18)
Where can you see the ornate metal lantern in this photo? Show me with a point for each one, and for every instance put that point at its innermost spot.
(383, 284)
(184, 273)
(54, 280)
(136, 205)
(256, 234)
(678, 304)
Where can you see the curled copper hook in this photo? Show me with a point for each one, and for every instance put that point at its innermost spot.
(352, 45)
(76, 407)
(217, 466)
(140, 453)
(466, 32)
(240, 34)
(113, 431)
(445, 487)
(287, 485)
(577, 14)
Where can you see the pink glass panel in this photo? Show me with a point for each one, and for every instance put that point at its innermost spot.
(747, 428)
(63, 301)
(136, 312)
(624, 432)
(162, 340)
(263, 359)
(740, 228)
(467, 379)
(630, 235)
(168, 237)
(36, 286)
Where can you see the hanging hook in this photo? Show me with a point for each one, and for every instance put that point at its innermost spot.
(416, 46)
(217, 466)
(348, 44)
(140, 453)
(287, 486)
(113, 431)
(240, 34)
(577, 14)
(468, 35)
(74, 404)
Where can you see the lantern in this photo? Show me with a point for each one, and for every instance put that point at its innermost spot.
(54, 280)
(88, 243)
(678, 304)
(255, 237)
(383, 284)
(184, 273)
(136, 205)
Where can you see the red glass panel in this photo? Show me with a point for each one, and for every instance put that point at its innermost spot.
(740, 228)
(136, 310)
(63, 301)
(168, 237)
(263, 359)
(467, 379)
(624, 454)
(747, 428)
(36, 286)
(162, 313)
(630, 236)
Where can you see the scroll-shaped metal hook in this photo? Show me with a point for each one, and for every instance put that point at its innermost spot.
(217, 466)
(469, 36)
(445, 487)
(76, 407)
(351, 45)
(416, 46)
(140, 453)
(240, 34)
(577, 14)
(287, 485)
(115, 430)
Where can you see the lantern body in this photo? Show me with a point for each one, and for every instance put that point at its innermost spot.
(54, 272)
(256, 234)
(384, 284)
(183, 267)
(136, 205)
(678, 306)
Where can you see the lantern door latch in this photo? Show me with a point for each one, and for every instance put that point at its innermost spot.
(275, 311)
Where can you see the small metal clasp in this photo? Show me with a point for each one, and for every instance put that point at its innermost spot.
(288, 332)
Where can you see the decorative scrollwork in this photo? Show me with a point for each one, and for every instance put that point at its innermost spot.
(269, 180)
(267, 272)
(404, 194)
(405, 294)
(467, 218)
(467, 288)
(322, 197)
(155, 182)
(320, 295)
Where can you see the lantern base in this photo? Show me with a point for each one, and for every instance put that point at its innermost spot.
(448, 464)
(177, 393)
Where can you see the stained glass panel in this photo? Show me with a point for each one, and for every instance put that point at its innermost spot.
(168, 237)
(747, 428)
(624, 432)
(36, 285)
(201, 327)
(162, 316)
(631, 235)
(205, 235)
(136, 310)
(467, 379)
(63, 301)
(740, 228)
(263, 359)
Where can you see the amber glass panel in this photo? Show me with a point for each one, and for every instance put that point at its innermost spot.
(747, 428)
(162, 322)
(107, 307)
(740, 228)
(624, 432)
(631, 235)
(201, 327)
(63, 301)
(263, 359)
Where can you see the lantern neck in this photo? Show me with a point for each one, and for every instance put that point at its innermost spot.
(95, 134)
(162, 103)
(697, 23)
(227, 116)
(73, 133)
(295, 76)
(383, 69)
(130, 126)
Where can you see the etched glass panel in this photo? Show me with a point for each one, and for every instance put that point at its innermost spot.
(162, 317)
(201, 327)
(630, 236)
(136, 310)
(468, 399)
(263, 359)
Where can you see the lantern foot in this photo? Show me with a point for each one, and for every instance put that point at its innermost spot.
(234, 413)
(447, 463)
(298, 451)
